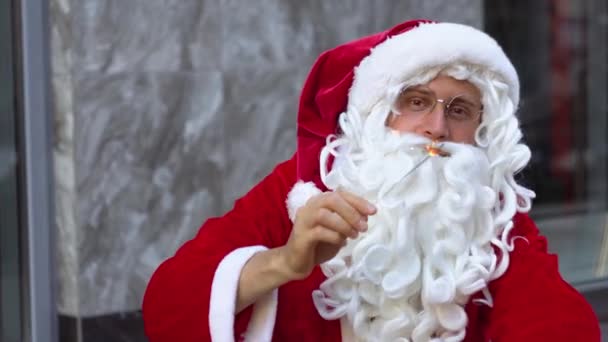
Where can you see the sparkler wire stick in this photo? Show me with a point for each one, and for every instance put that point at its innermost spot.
(432, 151)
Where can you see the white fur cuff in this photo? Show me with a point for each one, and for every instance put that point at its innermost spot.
(299, 195)
(223, 301)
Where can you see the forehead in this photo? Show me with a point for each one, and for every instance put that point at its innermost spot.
(443, 85)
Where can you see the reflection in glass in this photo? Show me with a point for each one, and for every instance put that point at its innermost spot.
(559, 49)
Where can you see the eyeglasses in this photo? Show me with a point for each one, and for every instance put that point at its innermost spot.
(420, 101)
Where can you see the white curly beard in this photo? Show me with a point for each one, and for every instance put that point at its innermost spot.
(428, 247)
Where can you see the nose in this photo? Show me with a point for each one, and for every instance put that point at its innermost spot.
(434, 125)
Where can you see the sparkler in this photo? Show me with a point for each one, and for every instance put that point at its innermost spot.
(432, 150)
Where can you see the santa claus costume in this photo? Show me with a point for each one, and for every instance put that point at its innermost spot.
(449, 257)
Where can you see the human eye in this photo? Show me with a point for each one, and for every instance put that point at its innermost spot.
(460, 112)
(417, 102)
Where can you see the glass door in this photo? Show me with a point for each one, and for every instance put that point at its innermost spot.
(560, 49)
(10, 261)
(27, 309)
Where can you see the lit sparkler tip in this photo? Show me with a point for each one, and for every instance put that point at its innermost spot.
(434, 150)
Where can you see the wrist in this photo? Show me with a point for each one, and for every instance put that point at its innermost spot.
(284, 267)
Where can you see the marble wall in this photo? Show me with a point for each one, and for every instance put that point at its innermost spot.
(168, 110)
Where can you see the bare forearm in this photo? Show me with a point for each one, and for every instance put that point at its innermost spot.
(264, 272)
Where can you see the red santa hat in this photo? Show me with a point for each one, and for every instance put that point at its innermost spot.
(360, 72)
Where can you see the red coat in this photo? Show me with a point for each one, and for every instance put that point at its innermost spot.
(531, 300)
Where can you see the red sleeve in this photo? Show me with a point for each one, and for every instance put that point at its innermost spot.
(176, 302)
(531, 300)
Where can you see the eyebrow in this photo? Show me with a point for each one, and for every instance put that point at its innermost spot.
(420, 89)
(463, 98)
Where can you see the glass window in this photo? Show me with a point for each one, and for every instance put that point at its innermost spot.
(10, 275)
(559, 49)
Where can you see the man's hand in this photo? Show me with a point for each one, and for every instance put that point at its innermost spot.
(321, 228)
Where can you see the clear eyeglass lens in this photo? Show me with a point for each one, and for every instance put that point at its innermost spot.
(412, 101)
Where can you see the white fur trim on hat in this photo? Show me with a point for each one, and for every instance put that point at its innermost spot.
(299, 195)
(429, 45)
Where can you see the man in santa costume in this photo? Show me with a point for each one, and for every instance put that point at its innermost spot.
(397, 219)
